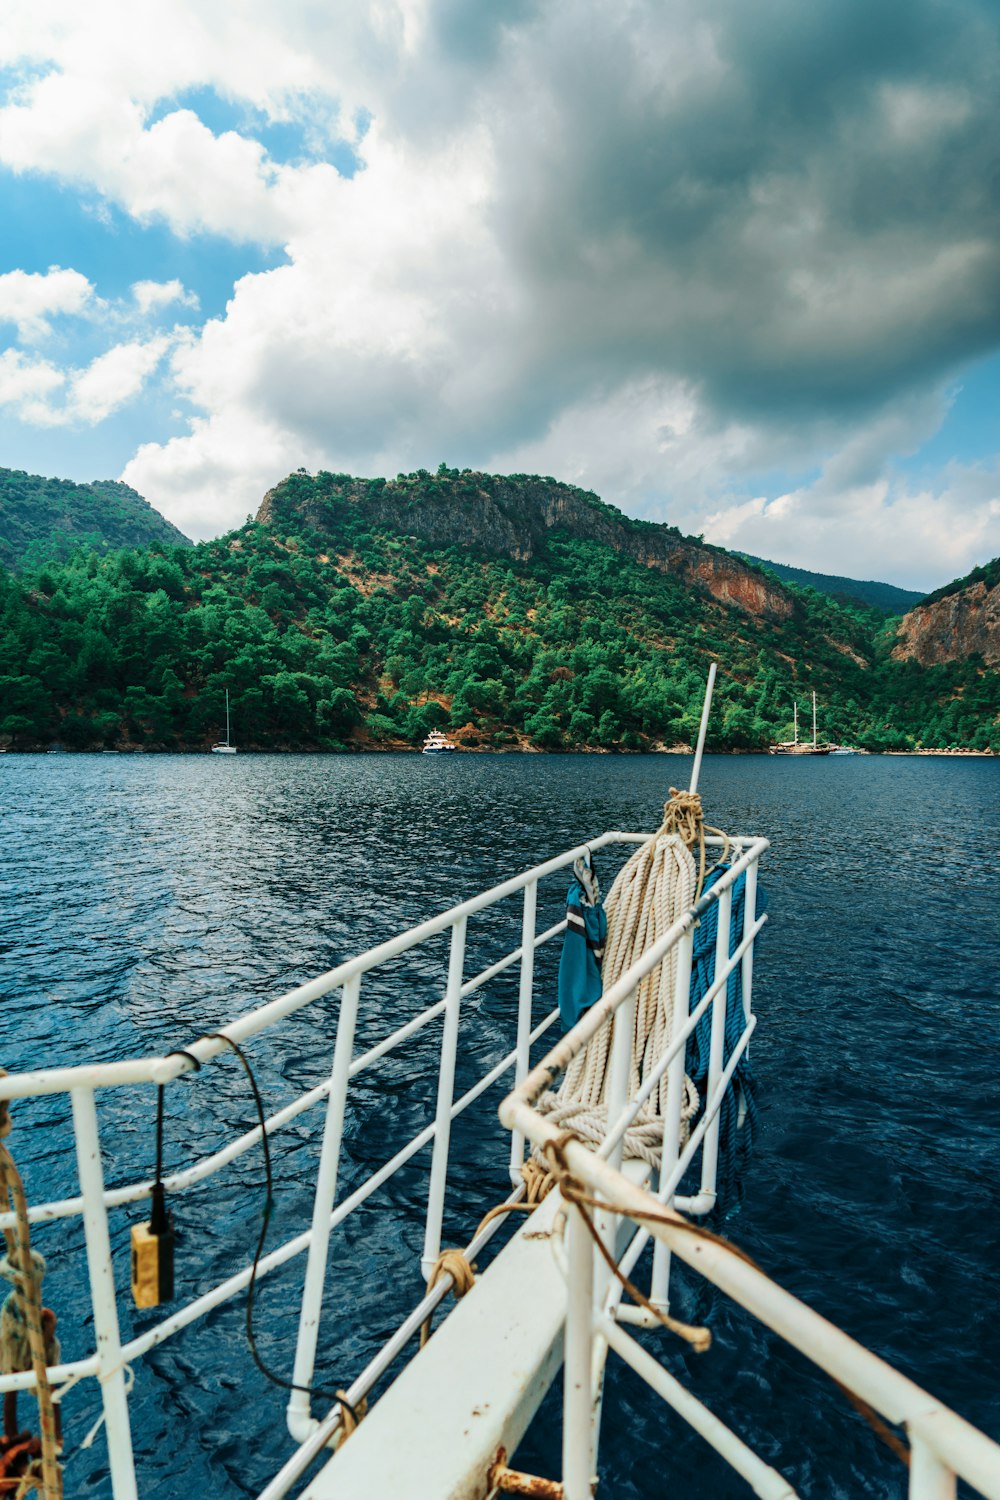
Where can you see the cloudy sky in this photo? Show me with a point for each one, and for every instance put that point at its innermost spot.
(734, 266)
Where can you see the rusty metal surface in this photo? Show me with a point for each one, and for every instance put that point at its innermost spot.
(504, 1481)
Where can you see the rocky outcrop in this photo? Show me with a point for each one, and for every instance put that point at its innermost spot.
(514, 516)
(960, 624)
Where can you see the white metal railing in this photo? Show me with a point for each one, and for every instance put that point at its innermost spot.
(943, 1447)
(111, 1355)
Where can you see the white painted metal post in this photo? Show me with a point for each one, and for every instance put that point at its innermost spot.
(446, 1091)
(110, 1369)
(577, 1407)
(299, 1415)
(703, 728)
(749, 917)
(710, 1146)
(659, 1294)
(619, 1067)
(930, 1479)
(525, 994)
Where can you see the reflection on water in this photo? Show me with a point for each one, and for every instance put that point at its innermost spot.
(146, 899)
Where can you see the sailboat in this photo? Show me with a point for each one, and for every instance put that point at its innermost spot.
(226, 748)
(792, 747)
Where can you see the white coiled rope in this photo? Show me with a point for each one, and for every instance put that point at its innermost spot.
(651, 891)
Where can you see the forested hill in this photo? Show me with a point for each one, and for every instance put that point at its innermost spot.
(513, 515)
(887, 598)
(343, 618)
(41, 519)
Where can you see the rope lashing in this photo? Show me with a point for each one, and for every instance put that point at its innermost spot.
(683, 815)
(575, 1191)
(351, 1417)
(27, 1330)
(451, 1263)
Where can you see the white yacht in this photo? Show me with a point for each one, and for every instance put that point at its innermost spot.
(437, 743)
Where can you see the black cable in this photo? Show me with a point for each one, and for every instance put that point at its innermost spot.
(158, 1211)
(288, 1385)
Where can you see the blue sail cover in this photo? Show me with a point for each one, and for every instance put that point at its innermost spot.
(579, 983)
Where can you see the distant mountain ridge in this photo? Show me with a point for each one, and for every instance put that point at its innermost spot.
(513, 515)
(42, 519)
(886, 597)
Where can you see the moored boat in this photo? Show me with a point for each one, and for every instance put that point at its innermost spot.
(224, 747)
(794, 746)
(437, 743)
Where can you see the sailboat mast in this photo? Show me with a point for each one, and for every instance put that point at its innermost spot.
(814, 718)
(227, 716)
(795, 717)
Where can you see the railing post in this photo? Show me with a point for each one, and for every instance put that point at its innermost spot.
(326, 1190)
(110, 1369)
(710, 1145)
(525, 995)
(619, 1068)
(659, 1294)
(446, 1092)
(577, 1406)
(749, 917)
(930, 1479)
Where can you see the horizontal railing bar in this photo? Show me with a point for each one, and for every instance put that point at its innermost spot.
(761, 1478)
(63, 1208)
(653, 1077)
(164, 1069)
(23, 1380)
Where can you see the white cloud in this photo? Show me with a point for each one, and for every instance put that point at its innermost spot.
(154, 295)
(114, 378)
(43, 395)
(919, 537)
(31, 298)
(26, 383)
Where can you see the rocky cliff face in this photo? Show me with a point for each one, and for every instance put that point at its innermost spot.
(512, 516)
(949, 629)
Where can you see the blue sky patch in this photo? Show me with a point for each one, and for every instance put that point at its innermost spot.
(46, 224)
(298, 142)
(969, 431)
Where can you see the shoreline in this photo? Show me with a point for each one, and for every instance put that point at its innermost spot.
(952, 754)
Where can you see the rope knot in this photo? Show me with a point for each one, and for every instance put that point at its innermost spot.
(351, 1416)
(451, 1263)
(683, 815)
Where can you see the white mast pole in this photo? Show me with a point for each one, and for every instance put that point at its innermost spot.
(705, 710)
(795, 717)
(227, 716)
(814, 718)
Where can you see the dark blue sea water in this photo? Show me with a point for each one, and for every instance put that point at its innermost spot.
(146, 899)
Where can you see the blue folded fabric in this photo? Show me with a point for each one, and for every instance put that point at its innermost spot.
(580, 983)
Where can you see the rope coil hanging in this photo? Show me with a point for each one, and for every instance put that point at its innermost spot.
(655, 886)
(27, 1332)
